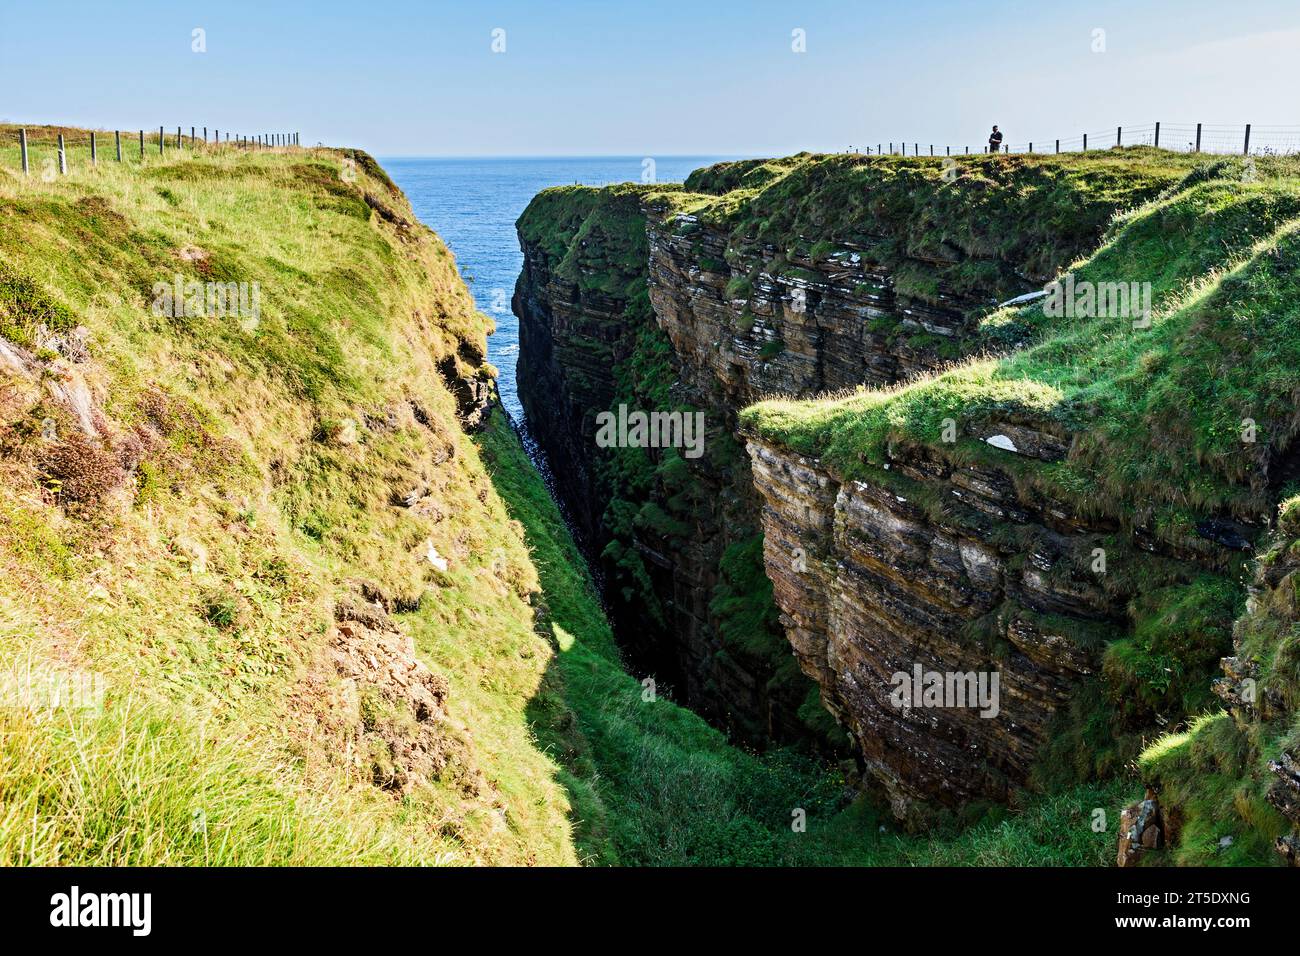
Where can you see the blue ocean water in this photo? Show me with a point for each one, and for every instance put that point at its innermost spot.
(473, 205)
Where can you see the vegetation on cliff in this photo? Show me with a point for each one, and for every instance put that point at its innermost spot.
(965, 230)
(222, 521)
(330, 626)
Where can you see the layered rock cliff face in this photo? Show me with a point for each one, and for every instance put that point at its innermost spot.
(809, 275)
(871, 585)
(802, 325)
(1068, 520)
(953, 568)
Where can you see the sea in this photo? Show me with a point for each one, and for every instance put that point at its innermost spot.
(473, 204)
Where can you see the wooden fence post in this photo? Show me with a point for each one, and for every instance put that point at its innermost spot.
(1119, 134)
(1157, 135)
(1031, 146)
(1085, 142)
(1198, 137)
(180, 143)
(94, 151)
(1058, 145)
(117, 140)
(142, 146)
(1245, 150)
(22, 148)
(63, 157)
(160, 140)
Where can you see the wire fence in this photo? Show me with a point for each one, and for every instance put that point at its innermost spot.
(1241, 140)
(52, 150)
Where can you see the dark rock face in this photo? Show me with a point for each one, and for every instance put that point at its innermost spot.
(473, 386)
(572, 339)
(567, 345)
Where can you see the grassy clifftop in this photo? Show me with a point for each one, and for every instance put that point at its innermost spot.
(1158, 411)
(945, 229)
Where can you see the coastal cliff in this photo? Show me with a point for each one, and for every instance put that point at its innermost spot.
(995, 491)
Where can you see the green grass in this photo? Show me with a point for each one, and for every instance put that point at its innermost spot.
(1009, 217)
(145, 785)
(1213, 776)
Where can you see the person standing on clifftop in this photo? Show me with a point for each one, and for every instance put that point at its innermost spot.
(995, 140)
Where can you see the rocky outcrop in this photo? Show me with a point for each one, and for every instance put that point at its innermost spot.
(1229, 785)
(872, 584)
(1141, 829)
(803, 324)
(1262, 697)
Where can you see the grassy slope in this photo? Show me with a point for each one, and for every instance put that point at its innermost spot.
(1213, 777)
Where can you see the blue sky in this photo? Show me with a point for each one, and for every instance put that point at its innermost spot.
(636, 77)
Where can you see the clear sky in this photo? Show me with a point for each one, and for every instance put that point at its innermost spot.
(647, 77)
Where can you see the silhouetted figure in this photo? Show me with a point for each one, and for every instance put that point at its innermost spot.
(995, 140)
